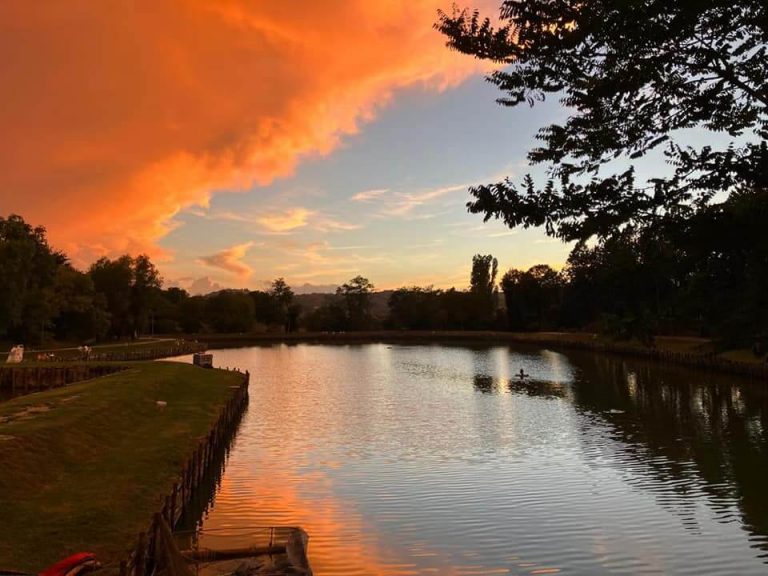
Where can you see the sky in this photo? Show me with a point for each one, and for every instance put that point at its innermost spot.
(238, 141)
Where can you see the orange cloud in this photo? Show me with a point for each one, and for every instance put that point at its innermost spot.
(115, 117)
(285, 220)
(230, 260)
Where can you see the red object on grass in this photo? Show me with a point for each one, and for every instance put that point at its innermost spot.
(71, 565)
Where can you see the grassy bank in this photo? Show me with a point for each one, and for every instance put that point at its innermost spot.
(85, 466)
(68, 351)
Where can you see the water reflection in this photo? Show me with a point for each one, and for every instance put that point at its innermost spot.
(700, 436)
(485, 384)
(439, 460)
(538, 388)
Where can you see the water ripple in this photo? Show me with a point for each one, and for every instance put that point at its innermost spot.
(410, 460)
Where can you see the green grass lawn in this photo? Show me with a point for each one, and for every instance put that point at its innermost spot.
(85, 466)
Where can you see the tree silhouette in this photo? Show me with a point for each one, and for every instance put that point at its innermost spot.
(532, 297)
(281, 297)
(632, 76)
(356, 295)
(229, 311)
(129, 286)
(28, 268)
(483, 291)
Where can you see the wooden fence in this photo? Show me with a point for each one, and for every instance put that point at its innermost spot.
(20, 380)
(204, 458)
(125, 354)
(184, 347)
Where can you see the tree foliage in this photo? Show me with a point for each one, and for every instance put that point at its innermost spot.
(28, 267)
(484, 271)
(417, 308)
(482, 289)
(130, 287)
(633, 75)
(229, 311)
(281, 299)
(78, 312)
(356, 298)
(532, 298)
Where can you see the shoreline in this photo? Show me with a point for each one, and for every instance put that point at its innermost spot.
(683, 351)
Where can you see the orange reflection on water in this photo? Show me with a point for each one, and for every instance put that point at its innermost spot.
(340, 542)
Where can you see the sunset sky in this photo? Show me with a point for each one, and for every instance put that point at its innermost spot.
(239, 141)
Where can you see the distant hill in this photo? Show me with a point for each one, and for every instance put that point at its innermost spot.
(312, 289)
(310, 302)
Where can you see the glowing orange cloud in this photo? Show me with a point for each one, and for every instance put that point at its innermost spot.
(116, 116)
(230, 260)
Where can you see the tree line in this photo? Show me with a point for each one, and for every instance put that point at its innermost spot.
(705, 280)
(43, 297)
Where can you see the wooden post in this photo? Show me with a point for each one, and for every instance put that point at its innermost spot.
(152, 544)
(140, 555)
(199, 464)
(167, 510)
(183, 491)
(172, 523)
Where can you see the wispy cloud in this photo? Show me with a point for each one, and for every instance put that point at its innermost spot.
(432, 244)
(356, 247)
(404, 203)
(230, 260)
(281, 221)
(328, 224)
(323, 260)
(487, 230)
(285, 220)
(368, 195)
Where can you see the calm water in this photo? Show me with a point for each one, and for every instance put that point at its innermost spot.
(437, 460)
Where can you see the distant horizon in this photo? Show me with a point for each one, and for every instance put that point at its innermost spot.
(206, 284)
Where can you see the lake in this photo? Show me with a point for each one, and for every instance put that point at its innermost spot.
(427, 459)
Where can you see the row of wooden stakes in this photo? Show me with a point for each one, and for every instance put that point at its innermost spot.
(144, 556)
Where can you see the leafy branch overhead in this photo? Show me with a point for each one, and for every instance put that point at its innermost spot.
(632, 75)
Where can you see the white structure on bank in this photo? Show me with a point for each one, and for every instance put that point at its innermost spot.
(16, 355)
